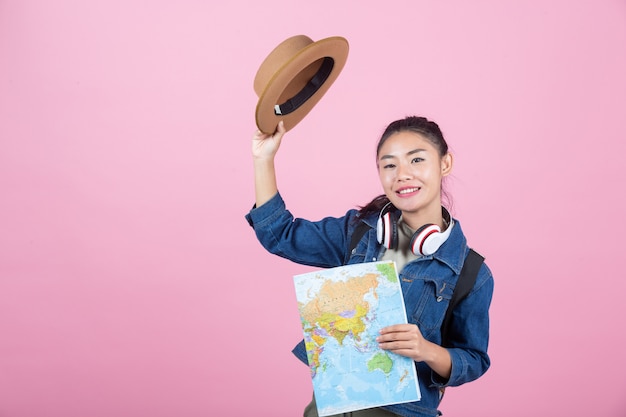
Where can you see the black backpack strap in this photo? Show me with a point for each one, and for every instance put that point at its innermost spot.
(357, 235)
(464, 285)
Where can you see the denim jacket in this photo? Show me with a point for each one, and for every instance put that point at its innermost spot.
(427, 286)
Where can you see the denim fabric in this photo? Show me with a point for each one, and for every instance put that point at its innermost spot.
(427, 286)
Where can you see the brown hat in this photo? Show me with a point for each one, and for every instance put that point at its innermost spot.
(294, 77)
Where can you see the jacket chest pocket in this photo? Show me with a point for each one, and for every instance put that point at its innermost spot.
(426, 301)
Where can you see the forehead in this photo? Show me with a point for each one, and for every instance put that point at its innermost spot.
(404, 142)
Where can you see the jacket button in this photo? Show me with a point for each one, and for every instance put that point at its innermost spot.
(439, 299)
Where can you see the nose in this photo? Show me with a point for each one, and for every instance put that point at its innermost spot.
(404, 172)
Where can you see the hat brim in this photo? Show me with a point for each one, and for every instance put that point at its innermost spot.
(267, 120)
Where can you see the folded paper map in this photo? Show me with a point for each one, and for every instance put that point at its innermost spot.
(342, 310)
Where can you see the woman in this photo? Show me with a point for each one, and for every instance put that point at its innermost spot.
(412, 159)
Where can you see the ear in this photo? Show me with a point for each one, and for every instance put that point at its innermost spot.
(446, 164)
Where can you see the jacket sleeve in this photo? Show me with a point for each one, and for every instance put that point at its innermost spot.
(469, 334)
(320, 243)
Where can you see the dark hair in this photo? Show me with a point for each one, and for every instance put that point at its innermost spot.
(420, 125)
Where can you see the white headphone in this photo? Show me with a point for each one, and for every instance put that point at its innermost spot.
(425, 241)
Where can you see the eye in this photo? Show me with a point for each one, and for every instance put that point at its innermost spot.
(389, 166)
(416, 160)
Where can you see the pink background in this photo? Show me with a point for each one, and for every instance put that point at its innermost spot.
(130, 283)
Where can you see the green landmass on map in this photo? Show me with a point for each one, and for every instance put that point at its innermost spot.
(380, 361)
(388, 270)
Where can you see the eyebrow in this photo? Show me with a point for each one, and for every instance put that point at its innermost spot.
(414, 151)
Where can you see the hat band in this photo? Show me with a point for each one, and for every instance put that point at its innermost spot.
(309, 89)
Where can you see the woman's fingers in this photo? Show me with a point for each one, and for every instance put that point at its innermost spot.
(265, 144)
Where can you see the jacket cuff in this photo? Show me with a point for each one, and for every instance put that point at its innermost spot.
(257, 215)
(459, 367)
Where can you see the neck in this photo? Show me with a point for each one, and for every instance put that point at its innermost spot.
(434, 215)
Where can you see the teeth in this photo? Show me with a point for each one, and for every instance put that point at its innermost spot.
(408, 190)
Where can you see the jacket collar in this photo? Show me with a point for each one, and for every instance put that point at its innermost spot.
(454, 250)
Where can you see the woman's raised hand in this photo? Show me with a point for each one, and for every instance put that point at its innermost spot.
(264, 145)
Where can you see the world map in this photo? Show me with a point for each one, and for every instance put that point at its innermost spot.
(342, 310)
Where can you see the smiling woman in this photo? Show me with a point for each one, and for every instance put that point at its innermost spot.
(407, 225)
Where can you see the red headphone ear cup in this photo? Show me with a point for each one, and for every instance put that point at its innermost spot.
(420, 238)
(386, 232)
(380, 230)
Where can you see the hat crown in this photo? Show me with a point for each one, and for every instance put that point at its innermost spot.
(276, 59)
(293, 78)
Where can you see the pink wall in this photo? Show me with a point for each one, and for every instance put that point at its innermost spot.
(125, 174)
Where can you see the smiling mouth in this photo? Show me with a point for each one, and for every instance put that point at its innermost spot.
(408, 190)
